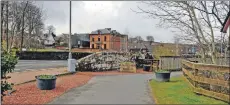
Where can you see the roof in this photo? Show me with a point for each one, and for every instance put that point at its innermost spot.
(144, 44)
(102, 31)
(106, 31)
(83, 36)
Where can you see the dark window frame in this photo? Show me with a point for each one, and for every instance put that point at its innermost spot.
(105, 47)
(105, 38)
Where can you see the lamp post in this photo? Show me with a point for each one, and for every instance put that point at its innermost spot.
(71, 62)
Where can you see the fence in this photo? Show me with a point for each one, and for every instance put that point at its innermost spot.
(174, 62)
(170, 62)
(209, 80)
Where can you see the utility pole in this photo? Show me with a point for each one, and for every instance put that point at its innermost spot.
(70, 55)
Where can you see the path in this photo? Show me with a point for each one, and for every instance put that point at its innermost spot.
(30, 65)
(22, 77)
(119, 89)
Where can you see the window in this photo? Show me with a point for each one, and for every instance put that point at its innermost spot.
(105, 46)
(99, 39)
(92, 46)
(93, 39)
(105, 38)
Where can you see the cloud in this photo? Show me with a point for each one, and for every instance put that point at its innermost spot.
(88, 16)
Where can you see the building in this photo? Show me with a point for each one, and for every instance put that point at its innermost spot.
(108, 39)
(175, 49)
(48, 39)
(80, 40)
(144, 46)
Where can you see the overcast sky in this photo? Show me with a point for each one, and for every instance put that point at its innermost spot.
(88, 16)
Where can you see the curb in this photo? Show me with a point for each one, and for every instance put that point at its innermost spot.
(58, 75)
(152, 94)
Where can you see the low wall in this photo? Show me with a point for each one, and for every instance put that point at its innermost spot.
(32, 55)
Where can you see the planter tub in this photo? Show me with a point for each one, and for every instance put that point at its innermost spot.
(46, 84)
(146, 67)
(162, 76)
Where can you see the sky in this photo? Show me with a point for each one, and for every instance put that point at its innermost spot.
(88, 16)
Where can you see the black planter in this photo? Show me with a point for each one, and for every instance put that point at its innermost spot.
(162, 76)
(146, 67)
(46, 84)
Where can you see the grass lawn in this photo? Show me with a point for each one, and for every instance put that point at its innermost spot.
(178, 91)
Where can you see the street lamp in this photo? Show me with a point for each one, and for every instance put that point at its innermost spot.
(71, 62)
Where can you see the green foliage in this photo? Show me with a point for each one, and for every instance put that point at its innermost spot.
(46, 77)
(8, 62)
(178, 91)
(163, 71)
(163, 51)
(3, 45)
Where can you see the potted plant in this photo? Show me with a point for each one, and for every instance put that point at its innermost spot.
(46, 82)
(146, 67)
(163, 75)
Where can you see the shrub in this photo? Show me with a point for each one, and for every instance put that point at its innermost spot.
(8, 62)
(163, 71)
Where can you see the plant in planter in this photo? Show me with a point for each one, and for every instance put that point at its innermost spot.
(46, 82)
(163, 75)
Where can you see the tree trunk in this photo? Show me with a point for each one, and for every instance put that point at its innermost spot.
(7, 28)
(2, 7)
(23, 21)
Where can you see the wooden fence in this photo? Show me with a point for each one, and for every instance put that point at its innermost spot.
(209, 80)
(174, 62)
(170, 62)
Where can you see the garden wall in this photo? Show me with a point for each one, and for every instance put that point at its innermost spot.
(32, 55)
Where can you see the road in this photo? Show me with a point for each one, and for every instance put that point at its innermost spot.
(119, 89)
(39, 64)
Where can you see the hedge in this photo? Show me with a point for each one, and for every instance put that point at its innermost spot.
(32, 55)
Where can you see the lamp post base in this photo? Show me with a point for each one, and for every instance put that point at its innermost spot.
(71, 65)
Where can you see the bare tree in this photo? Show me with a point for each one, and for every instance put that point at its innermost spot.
(139, 39)
(51, 29)
(2, 18)
(150, 39)
(23, 22)
(7, 28)
(187, 18)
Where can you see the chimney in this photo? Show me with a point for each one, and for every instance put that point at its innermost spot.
(108, 29)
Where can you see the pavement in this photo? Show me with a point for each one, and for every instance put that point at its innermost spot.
(26, 76)
(31, 65)
(118, 89)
